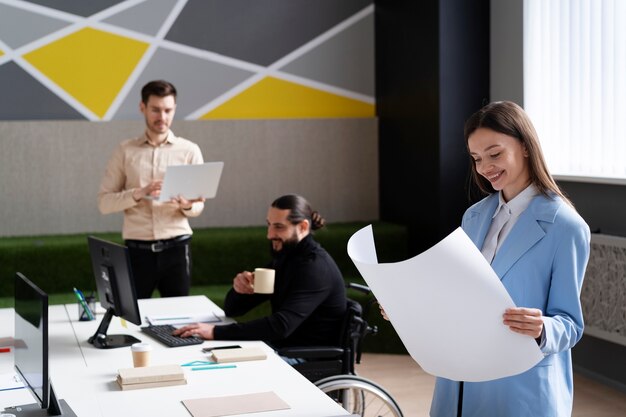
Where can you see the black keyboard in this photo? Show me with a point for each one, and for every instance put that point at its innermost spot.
(163, 333)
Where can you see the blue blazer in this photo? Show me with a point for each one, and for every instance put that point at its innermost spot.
(541, 264)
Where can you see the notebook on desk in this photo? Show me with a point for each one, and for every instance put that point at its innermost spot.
(150, 377)
(181, 319)
(235, 404)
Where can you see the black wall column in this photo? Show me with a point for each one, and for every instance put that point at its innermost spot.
(432, 72)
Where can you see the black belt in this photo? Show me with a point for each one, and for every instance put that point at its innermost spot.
(158, 245)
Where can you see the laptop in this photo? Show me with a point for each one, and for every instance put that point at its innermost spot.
(191, 181)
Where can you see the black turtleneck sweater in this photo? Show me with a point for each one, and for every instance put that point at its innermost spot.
(308, 303)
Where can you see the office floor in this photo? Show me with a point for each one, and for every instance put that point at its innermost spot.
(412, 388)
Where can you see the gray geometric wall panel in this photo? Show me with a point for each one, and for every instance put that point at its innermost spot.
(24, 98)
(346, 60)
(258, 31)
(146, 17)
(197, 81)
(214, 51)
(19, 27)
(80, 7)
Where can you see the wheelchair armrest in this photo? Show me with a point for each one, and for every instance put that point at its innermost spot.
(313, 352)
(361, 288)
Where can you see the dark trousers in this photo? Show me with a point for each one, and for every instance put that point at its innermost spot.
(168, 270)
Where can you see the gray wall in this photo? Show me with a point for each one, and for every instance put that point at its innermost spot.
(50, 171)
(507, 51)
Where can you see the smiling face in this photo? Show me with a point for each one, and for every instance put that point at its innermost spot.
(281, 232)
(159, 113)
(501, 159)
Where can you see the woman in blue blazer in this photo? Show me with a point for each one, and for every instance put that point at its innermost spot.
(540, 256)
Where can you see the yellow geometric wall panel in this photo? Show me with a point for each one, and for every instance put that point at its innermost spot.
(274, 98)
(91, 65)
(87, 60)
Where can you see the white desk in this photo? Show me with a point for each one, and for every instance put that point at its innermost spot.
(85, 376)
(62, 347)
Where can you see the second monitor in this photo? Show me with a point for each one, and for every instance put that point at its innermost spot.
(116, 291)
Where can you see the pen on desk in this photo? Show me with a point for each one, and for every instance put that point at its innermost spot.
(206, 368)
(90, 313)
(83, 303)
(209, 349)
(5, 349)
(81, 300)
(198, 363)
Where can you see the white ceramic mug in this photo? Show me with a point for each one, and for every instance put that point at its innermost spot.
(264, 281)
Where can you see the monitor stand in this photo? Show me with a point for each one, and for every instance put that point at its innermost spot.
(35, 410)
(101, 340)
(56, 408)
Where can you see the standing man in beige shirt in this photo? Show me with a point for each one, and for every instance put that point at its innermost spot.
(158, 235)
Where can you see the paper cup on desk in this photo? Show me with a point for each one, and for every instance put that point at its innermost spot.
(141, 354)
(264, 281)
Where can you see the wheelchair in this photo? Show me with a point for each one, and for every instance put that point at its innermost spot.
(332, 368)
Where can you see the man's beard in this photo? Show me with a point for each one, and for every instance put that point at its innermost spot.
(152, 126)
(287, 247)
(158, 129)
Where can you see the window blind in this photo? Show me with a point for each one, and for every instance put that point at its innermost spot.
(575, 85)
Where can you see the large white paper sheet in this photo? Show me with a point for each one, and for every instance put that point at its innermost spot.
(446, 304)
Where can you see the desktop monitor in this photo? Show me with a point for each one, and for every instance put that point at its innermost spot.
(116, 291)
(31, 351)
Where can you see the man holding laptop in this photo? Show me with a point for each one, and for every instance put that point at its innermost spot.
(157, 233)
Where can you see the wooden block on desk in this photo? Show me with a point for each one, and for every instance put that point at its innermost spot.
(155, 384)
(148, 374)
(238, 354)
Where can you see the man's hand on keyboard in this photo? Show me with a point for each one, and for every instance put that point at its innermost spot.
(203, 330)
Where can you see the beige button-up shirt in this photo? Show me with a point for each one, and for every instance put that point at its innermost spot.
(134, 164)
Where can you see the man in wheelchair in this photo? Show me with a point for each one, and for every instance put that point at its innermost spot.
(309, 299)
(313, 325)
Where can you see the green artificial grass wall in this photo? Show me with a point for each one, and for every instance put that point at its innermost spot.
(58, 263)
(55, 263)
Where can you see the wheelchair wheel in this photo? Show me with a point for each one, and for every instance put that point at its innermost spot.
(360, 396)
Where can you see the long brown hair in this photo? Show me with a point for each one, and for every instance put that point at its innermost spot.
(510, 119)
